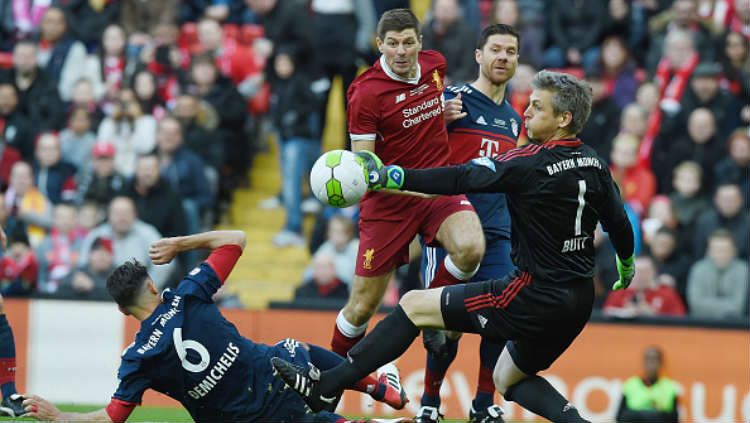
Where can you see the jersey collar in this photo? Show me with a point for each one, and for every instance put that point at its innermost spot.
(566, 142)
(392, 75)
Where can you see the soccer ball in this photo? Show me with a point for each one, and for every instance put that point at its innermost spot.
(337, 178)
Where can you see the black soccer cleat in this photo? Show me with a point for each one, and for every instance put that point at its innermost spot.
(435, 342)
(491, 414)
(12, 406)
(428, 414)
(303, 382)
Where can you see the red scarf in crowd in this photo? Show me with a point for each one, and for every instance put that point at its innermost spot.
(671, 88)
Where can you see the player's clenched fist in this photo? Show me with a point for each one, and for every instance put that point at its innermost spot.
(626, 269)
(454, 109)
(163, 250)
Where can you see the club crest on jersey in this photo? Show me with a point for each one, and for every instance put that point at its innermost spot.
(368, 255)
(514, 126)
(401, 97)
(484, 161)
(438, 80)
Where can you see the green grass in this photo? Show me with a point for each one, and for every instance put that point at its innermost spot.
(140, 414)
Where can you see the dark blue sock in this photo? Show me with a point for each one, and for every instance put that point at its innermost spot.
(7, 358)
(435, 373)
(488, 354)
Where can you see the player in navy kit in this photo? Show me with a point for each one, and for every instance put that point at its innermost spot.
(558, 189)
(487, 126)
(185, 348)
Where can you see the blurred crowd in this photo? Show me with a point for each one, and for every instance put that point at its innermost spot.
(122, 121)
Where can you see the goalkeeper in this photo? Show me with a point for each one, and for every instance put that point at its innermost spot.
(558, 189)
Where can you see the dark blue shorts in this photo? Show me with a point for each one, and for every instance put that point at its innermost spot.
(539, 319)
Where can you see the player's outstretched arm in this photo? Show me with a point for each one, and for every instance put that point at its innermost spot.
(41, 409)
(165, 249)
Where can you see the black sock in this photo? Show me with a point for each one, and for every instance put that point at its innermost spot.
(387, 341)
(537, 395)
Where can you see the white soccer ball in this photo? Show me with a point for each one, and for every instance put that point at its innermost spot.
(337, 179)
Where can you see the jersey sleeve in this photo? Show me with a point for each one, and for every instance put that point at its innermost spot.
(133, 381)
(119, 410)
(363, 114)
(614, 219)
(203, 281)
(478, 175)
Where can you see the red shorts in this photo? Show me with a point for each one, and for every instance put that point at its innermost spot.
(388, 223)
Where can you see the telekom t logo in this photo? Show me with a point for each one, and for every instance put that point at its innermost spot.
(489, 148)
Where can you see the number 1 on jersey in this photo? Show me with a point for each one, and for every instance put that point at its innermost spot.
(581, 205)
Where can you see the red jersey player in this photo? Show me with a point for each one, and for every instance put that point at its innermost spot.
(396, 110)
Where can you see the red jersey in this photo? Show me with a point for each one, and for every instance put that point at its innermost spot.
(404, 116)
(663, 299)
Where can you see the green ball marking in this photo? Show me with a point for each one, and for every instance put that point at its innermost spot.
(333, 159)
(335, 193)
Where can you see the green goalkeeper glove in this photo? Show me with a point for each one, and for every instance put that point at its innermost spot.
(379, 176)
(626, 269)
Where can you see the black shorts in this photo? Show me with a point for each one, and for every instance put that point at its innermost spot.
(538, 319)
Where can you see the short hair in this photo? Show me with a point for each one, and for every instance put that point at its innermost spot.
(569, 94)
(498, 29)
(397, 20)
(689, 166)
(721, 233)
(126, 282)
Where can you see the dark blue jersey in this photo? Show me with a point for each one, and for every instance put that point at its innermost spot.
(488, 130)
(187, 350)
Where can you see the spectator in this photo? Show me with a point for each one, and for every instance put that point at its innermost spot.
(130, 131)
(15, 128)
(681, 16)
(131, 238)
(184, 172)
(8, 157)
(324, 282)
(210, 86)
(199, 122)
(155, 201)
(27, 206)
(601, 127)
(619, 70)
(83, 96)
(671, 265)
(718, 284)
(660, 214)
(341, 244)
(87, 19)
(59, 54)
(18, 267)
(735, 169)
(77, 140)
(727, 213)
(58, 252)
(218, 10)
(39, 100)
(651, 398)
(687, 197)
(628, 20)
(705, 91)
(645, 296)
(90, 282)
(27, 17)
(54, 177)
(637, 183)
(701, 144)
(295, 116)
(447, 32)
(529, 25)
(735, 62)
(139, 17)
(108, 66)
(102, 182)
(575, 26)
(144, 87)
(633, 121)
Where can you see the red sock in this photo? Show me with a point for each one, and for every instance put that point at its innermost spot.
(485, 384)
(368, 385)
(341, 344)
(432, 383)
(443, 277)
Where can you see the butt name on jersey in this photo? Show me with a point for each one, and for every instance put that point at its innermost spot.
(222, 366)
(577, 162)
